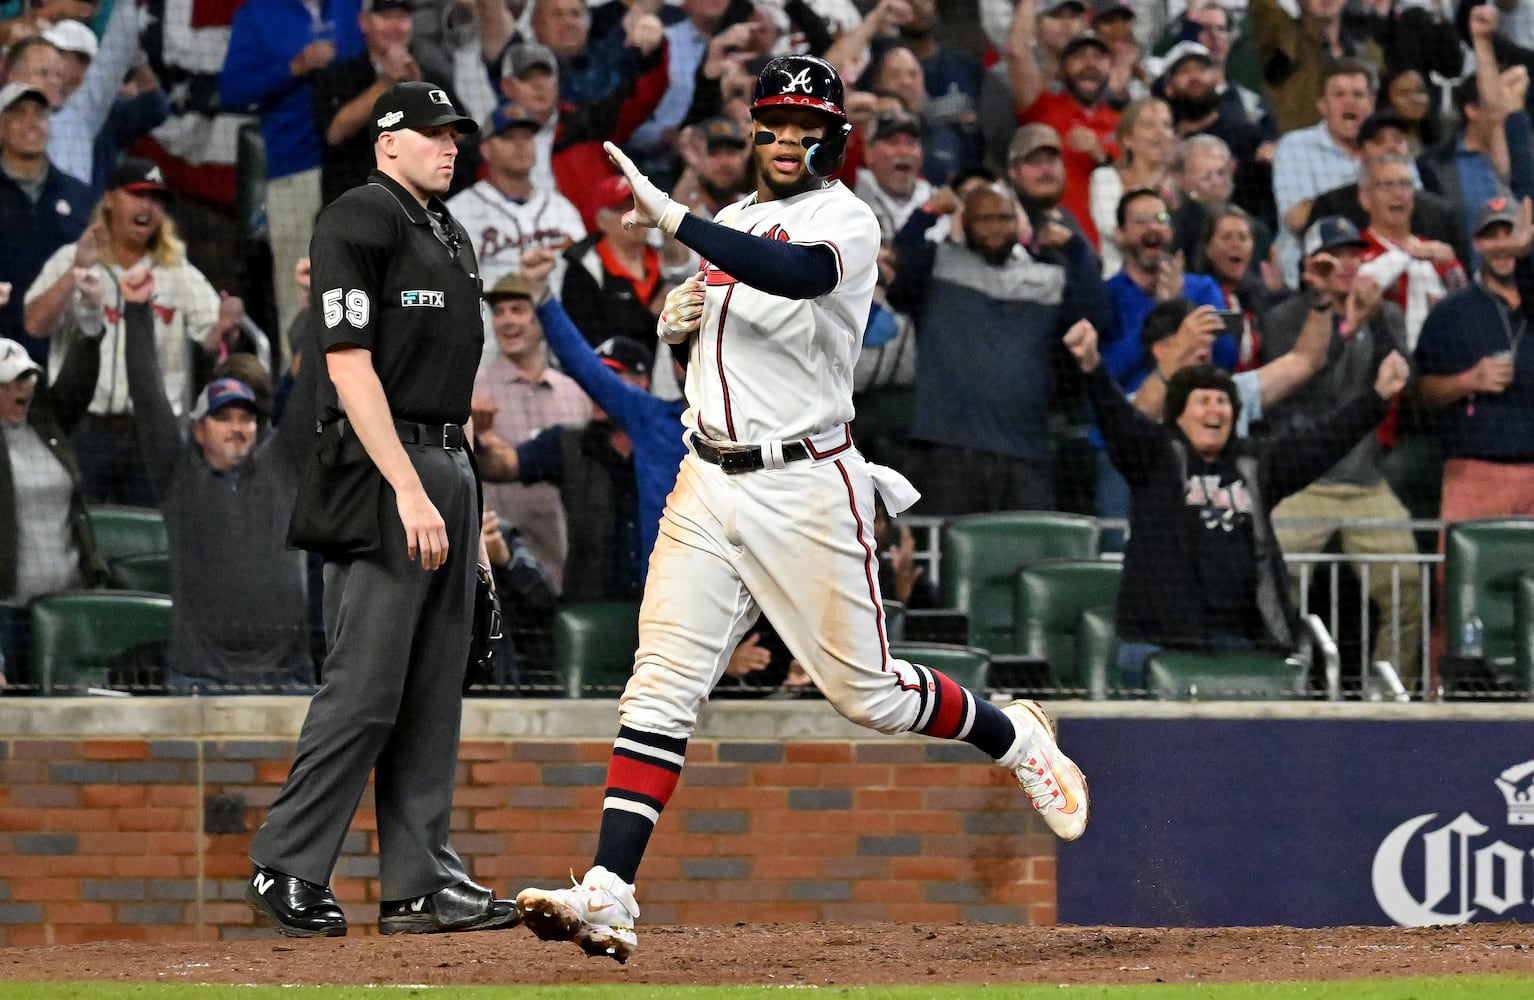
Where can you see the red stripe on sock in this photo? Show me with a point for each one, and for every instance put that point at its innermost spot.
(642, 778)
(950, 708)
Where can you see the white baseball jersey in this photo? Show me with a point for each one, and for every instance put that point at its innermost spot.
(766, 368)
(502, 228)
(185, 310)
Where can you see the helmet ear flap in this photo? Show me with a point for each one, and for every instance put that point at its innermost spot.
(825, 157)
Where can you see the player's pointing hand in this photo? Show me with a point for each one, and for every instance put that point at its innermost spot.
(653, 208)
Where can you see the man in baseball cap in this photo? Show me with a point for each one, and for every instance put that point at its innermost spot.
(1477, 373)
(626, 356)
(18, 379)
(722, 130)
(420, 106)
(1500, 210)
(524, 57)
(77, 48)
(224, 423)
(1030, 139)
(1331, 234)
(139, 176)
(42, 208)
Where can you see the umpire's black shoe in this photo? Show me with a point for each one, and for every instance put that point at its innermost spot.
(466, 906)
(295, 907)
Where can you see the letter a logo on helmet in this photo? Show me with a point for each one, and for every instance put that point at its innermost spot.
(800, 82)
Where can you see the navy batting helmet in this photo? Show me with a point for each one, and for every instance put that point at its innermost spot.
(800, 82)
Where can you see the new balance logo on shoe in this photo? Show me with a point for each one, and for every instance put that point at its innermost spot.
(417, 905)
(263, 882)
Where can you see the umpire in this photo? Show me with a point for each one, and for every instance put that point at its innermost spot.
(390, 499)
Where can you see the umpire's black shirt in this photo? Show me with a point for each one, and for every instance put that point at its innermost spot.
(384, 281)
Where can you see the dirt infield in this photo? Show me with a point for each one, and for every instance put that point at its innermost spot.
(811, 954)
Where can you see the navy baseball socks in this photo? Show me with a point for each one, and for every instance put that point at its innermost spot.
(599, 911)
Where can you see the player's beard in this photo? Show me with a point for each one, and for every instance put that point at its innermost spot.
(806, 182)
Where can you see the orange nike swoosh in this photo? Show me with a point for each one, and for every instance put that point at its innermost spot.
(1071, 805)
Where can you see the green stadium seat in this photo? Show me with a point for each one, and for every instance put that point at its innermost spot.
(967, 666)
(1097, 651)
(148, 572)
(894, 621)
(1523, 631)
(594, 647)
(1049, 599)
(1228, 676)
(127, 531)
(1484, 561)
(77, 638)
(982, 554)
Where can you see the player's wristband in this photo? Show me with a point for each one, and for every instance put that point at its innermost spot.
(672, 217)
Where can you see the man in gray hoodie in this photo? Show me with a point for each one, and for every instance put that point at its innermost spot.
(239, 616)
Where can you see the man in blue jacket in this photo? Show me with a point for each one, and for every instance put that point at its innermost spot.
(274, 48)
(989, 319)
(652, 426)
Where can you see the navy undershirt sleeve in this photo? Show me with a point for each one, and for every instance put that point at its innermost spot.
(784, 269)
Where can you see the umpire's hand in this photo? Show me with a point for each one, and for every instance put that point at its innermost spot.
(425, 531)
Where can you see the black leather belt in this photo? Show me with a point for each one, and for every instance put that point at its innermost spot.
(448, 436)
(733, 459)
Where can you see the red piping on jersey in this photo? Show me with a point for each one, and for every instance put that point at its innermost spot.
(724, 310)
(872, 579)
(809, 445)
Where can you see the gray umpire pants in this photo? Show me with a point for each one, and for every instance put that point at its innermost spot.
(390, 701)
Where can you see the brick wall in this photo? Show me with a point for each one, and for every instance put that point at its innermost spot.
(103, 837)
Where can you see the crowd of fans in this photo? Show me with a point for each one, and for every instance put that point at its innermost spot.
(1288, 191)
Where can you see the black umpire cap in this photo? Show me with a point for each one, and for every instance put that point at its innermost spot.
(417, 105)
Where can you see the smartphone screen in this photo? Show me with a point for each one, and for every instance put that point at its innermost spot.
(1235, 322)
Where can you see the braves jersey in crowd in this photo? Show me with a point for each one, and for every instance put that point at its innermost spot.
(501, 227)
(766, 368)
(185, 311)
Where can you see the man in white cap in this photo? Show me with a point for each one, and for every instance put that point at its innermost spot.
(45, 540)
(36, 199)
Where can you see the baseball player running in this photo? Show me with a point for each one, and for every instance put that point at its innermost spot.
(773, 509)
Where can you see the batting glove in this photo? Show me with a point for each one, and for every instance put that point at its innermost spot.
(653, 208)
(682, 312)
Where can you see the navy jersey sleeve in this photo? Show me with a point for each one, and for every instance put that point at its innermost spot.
(789, 270)
(349, 256)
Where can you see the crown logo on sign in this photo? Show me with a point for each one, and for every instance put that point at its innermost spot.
(1518, 789)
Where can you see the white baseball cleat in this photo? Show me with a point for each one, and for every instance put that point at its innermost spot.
(1052, 780)
(598, 914)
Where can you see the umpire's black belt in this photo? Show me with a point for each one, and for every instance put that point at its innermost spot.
(449, 436)
(734, 459)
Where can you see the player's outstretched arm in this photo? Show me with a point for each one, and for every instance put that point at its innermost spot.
(784, 269)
